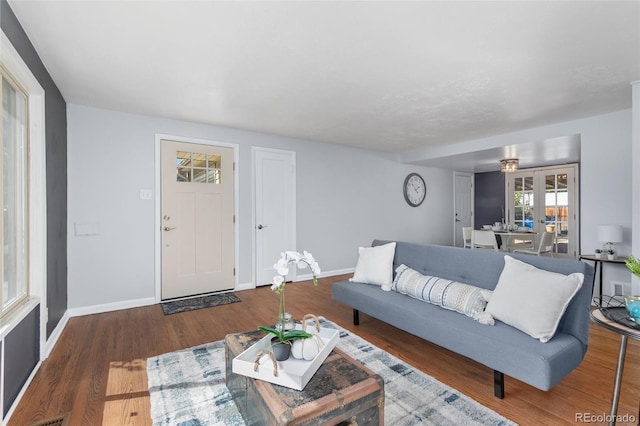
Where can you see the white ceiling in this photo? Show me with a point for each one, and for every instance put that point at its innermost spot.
(386, 75)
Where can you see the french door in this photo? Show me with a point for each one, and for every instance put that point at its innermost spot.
(546, 200)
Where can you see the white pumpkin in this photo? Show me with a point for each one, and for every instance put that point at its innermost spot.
(307, 349)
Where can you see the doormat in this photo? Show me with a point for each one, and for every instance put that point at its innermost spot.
(209, 301)
(187, 387)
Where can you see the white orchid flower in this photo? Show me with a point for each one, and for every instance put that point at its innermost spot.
(282, 267)
(308, 257)
(293, 256)
(277, 282)
(301, 264)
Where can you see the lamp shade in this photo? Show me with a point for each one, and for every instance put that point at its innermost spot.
(610, 233)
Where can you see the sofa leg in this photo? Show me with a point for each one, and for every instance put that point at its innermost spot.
(356, 317)
(498, 384)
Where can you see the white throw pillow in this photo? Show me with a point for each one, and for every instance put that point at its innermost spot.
(532, 300)
(375, 265)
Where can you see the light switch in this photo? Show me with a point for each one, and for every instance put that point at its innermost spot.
(146, 194)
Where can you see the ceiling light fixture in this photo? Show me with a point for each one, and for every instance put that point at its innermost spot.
(509, 165)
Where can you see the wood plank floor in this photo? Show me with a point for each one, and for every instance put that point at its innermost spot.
(97, 370)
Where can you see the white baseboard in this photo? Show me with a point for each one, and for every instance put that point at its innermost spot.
(325, 274)
(55, 335)
(109, 307)
(245, 286)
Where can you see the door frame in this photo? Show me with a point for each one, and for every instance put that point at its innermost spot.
(254, 254)
(471, 176)
(158, 205)
(575, 200)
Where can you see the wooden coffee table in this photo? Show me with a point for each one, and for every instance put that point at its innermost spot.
(341, 390)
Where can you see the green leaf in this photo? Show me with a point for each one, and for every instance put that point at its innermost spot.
(295, 334)
(634, 265)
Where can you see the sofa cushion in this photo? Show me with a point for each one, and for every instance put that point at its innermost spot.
(532, 300)
(463, 298)
(375, 265)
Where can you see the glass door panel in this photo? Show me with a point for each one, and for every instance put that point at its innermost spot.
(523, 201)
(546, 200)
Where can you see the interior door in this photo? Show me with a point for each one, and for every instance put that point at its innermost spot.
(197, 219)
(275, 213)
(463, 206)
(546, 200)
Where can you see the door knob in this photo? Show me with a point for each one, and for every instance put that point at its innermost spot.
(166, 228)
(261, 226)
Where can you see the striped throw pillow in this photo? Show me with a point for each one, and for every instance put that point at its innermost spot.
(463, 298)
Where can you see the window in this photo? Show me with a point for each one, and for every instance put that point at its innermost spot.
(14, 194)
(198, 167)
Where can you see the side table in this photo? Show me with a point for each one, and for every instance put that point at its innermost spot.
(596, 262)
(625, 332)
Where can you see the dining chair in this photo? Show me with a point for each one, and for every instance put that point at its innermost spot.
(545, 246)
(466, 236)
(521, 242)
(484, 240)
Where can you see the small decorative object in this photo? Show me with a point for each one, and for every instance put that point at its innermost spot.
(288, 324)
(611, 253)
(284, 335)
(281, 350)
(633, 307)
(307, 349)
(598, 253)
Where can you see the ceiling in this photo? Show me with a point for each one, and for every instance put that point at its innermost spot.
(384, 75)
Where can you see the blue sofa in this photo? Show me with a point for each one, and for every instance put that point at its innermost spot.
(500, 347)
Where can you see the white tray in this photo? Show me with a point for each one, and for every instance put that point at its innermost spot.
(292, 373)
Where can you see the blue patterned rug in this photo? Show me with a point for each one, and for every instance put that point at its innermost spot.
(184, 305)
(187, 388)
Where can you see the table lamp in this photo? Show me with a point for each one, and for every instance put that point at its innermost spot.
(610, 234)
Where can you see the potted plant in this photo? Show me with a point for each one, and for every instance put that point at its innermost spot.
(598, 253)
(283, 338)
(611, 253)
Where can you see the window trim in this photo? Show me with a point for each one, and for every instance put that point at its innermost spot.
(4, 73)
(37, 198)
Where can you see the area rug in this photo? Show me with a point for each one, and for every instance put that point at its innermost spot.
(184, 305)
(187, 388)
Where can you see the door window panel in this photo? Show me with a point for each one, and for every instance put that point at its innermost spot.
(198, 167)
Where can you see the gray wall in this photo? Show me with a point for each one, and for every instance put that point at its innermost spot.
(489, 198)
(21, 354)
(346, 197)
(56, 151)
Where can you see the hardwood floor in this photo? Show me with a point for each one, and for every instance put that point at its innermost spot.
(97, 371)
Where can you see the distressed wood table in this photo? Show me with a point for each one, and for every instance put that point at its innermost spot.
(342, 390)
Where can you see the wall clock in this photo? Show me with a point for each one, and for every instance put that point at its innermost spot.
(414, 189)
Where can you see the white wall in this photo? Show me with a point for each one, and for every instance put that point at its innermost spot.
(345, 197)
(605, 175)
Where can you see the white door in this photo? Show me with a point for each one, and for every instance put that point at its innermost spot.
(546, 200)
(463, 206)
(197, 219)
(275, 210)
